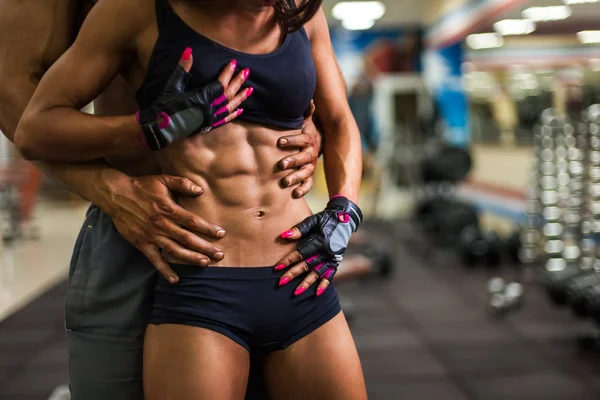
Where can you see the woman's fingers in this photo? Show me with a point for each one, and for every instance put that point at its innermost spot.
(186, 59)
(288, 260)
(227, 73)
(232, 107)
(293, 273)
(323, 286)
(308, 281)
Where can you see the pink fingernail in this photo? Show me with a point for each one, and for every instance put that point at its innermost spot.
(219, 100)
(240, 111)
(283, 281)
(311, 259)
(249, 91)
(221, 122)
(246, 73)
(320, 291)
(279, 267)
(186, 54)
(220, 110)
(299, 291)
(344, 217)
(163, 120)
(233, 64)
(287, 234)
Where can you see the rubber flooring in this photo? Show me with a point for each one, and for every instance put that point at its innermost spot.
(423, 334)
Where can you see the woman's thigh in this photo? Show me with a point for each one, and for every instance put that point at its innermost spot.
(189, 363)
(323, 365)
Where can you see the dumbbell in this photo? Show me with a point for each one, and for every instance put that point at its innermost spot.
(478, 248)
(577, 288)
(504, 298)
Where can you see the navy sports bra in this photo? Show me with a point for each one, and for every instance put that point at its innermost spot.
(283, 80)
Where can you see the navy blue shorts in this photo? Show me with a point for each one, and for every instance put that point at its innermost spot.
(245, 304)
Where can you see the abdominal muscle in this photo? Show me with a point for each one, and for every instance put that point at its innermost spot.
(236, 165)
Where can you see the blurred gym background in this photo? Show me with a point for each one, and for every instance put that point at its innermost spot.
(477, 269)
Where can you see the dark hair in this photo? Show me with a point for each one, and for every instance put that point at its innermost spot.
(292, 17)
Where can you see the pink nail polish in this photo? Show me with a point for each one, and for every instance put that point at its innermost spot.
(249, 91)
(240, 111)
(287, 234)
(221, 110)
(283, 281)
(320, 291)
(299, 291)
(233, 64)
(221, 122)
(246, 73)
(186, 54)
(279, 267)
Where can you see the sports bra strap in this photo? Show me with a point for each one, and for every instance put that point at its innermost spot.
(162, 8)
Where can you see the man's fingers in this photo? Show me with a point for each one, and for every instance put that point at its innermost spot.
(179, 252)
(194, 223)
(298, 175)
(288, 260)
(159, 263)
(310, 110)
(293, 272)
(227, 73)
(181, 185)
(300, 140)
(304, 188)
(308, 281)
(186, 60)
(306, 156)
(180, 238)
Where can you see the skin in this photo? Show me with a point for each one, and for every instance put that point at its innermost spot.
(128, 187)
(242, 191)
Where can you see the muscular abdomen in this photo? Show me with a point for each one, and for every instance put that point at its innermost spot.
(237, 167)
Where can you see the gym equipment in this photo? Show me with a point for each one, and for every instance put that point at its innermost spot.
(445, 218)
(478, 248)
(447, 164)
(504, 298)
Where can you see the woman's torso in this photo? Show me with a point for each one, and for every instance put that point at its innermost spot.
(236, 164)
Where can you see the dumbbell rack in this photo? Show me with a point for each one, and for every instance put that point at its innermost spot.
(570, 201)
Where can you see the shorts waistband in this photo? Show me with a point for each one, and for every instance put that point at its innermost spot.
(226, 273)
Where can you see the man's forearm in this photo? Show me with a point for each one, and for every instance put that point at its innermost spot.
(93, 181)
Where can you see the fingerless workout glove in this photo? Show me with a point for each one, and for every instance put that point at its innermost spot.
(325, 235)
(177, 114)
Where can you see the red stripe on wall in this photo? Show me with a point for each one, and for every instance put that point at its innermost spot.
(494, 189)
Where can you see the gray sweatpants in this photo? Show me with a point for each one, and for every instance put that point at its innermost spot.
(111, 285)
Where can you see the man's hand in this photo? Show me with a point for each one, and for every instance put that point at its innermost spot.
(147, 216)
(304, 162)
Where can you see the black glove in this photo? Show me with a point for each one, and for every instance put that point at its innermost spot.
(325, 235)
(177, 114)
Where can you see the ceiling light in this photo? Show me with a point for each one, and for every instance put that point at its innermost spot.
(359, 10)
(569, 2)
(358, 24)
(514, 27)
(484, 41)
(589, 36)
(552, 13)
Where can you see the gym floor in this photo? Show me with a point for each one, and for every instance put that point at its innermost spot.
(422, 335)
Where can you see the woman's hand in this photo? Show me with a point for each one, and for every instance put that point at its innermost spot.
(147, 216)
(304, 162)
(324, 237)
(179, 113)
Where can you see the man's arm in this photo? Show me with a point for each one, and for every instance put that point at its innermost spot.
(33, 35)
